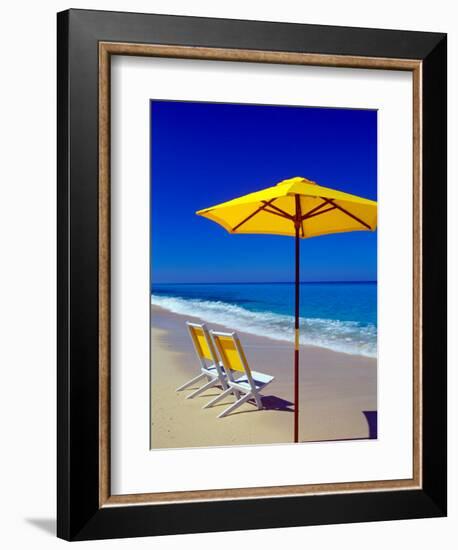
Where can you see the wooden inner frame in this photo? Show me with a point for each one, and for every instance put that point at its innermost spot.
(106, 50)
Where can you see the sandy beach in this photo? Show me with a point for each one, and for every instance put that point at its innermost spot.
(338, 392)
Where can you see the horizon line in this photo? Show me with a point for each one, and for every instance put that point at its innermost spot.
(263, 282)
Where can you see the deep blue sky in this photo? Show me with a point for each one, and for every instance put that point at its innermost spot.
(206, 153)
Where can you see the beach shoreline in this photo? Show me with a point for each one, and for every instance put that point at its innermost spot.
(336, 316)
(338, 392)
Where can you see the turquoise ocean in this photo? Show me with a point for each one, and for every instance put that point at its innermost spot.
(338, 316)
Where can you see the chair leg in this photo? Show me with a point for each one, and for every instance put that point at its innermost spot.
(218, 398)
(258, 400)
(190, 382)
(203, 388)
(235, 405)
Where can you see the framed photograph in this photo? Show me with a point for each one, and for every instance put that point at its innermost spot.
(251, 274)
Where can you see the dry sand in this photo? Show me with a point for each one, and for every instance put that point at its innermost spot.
(338, 393)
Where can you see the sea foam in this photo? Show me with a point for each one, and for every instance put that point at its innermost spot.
(343, 336)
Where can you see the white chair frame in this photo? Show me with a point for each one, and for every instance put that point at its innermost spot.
(244, 388)
(213, 372)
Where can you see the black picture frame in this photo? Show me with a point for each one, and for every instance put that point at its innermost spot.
(79, 514)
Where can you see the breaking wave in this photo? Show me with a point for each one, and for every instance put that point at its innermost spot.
(344, 336)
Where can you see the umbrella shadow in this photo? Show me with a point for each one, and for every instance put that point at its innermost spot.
(371, 419)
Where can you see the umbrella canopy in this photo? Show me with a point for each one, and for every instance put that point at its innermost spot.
(299, 208)
(321, 211)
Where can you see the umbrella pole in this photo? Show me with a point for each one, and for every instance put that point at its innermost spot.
(296, 343)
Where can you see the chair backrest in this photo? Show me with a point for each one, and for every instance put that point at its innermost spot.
(232, 354)
(203, 344)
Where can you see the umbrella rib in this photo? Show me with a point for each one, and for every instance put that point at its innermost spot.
(275, 207)
(277, 214)
(313, 210)
(350, 214)
(266, 203)
(334, 207)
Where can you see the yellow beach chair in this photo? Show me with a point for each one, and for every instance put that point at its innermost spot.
(210, 365)
(244, 383)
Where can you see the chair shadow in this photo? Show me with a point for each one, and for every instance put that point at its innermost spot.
(371, 418)
(48, 525)
(269, 402)
(274, 403)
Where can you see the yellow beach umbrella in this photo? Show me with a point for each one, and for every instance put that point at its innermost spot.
(299, 208)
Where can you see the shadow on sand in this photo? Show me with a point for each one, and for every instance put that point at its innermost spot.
(274, 403)
(371, 418)
(269, 402)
